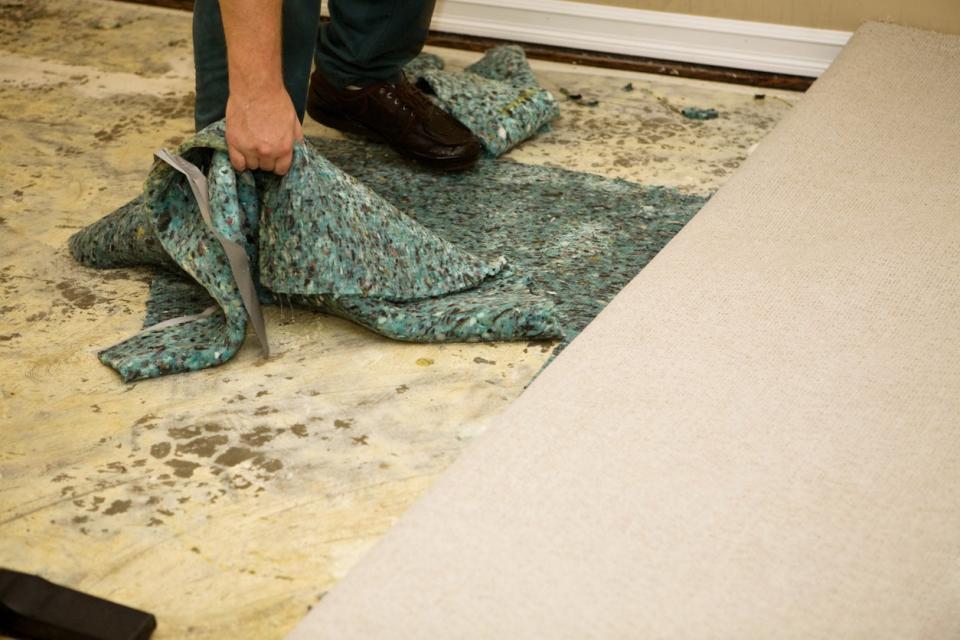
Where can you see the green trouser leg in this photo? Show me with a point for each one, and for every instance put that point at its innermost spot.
(300, 21)
(370, 40)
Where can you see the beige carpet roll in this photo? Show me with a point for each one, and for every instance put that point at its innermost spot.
(758, 438)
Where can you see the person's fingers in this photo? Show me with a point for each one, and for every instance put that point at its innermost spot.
(253, 161)
(298, 131)
(284, 157)
(236, 159)
(283, 164)
(267, 163)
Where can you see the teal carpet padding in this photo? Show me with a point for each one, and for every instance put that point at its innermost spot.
(578, 238)
(498, 97)
(325, 241)
(504, 251)
(320, 238)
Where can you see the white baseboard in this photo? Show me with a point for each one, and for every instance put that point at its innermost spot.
(678, 37)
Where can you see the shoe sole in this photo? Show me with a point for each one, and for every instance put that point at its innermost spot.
(348, 125)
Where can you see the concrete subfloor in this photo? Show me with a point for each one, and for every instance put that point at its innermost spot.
(228, 501)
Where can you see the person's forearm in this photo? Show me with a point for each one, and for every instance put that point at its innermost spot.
(253, 33)
(261, 121)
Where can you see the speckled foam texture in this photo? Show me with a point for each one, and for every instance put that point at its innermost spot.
(174, 296)
(578, 238)
(358, 244)
(498, 97)
(503, 252)
(169, 210)
(319, 236)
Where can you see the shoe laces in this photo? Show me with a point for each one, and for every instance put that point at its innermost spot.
(404, 95)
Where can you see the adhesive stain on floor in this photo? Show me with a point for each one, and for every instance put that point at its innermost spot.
(227, 501)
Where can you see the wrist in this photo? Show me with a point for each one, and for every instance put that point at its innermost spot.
(253, 88)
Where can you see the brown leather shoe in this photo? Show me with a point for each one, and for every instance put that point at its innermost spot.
(398, 113)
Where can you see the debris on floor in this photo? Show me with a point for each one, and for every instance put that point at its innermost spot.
(628, 87)
(695, 113)
(578, 98)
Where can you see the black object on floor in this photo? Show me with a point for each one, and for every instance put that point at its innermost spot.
(31, 607)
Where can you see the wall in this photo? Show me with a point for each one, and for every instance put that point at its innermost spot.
(845, 15)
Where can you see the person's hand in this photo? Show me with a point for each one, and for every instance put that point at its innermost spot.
(261, 130)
